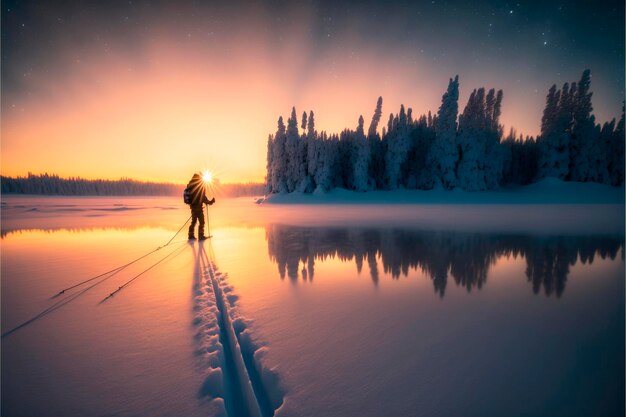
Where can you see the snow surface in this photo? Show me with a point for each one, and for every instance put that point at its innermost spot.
(546, 191)
(312, 310)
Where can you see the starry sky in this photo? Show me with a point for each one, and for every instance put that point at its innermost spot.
(155, 90)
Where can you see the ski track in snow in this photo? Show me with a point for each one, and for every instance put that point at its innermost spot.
(237, 383)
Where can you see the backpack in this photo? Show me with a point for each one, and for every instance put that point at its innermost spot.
(187, 197)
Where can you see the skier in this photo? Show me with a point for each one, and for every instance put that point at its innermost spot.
(195, 196)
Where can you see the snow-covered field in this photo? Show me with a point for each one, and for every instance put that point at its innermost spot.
(546, 191)
(311, 310)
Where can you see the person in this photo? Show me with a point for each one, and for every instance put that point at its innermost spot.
(195, 196)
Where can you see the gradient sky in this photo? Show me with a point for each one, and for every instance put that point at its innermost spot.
(156, 90)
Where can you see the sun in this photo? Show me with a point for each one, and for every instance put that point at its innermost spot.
(207, 177)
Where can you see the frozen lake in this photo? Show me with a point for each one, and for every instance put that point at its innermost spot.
(312, 310)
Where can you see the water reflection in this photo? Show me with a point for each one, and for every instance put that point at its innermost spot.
(465, 257)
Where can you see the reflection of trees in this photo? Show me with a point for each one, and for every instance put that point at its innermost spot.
(547, 264)
(466, 257)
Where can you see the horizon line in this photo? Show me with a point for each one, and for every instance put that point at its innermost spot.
(78, 177)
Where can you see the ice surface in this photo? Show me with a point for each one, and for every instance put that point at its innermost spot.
(331, 310)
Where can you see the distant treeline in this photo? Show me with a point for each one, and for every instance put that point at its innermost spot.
(50, 184)
(450, 150)
(240, 189)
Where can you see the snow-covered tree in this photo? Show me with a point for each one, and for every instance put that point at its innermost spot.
(550, 112)
(398, 146)
(361, 157)
(483, 158)
(376, 118)
(435, 151)
(345, 174)
(497, 111)
(616, 153)
(555, 134)
(376, 172)
(293, 150)
(522, 157)
(304, 122)
(605, 137)
(587, 155)
(312, 152)
(530, 160)
(311, 125)
(496, 156)
(279, 160)
(305, 183)
(509, 144)
(490, 104)
(443, 154)
(325, 173)
(471, 139)
(269, 166)
(422, 136)
(390, 124)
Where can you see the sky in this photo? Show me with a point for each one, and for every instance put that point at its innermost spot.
(156, 90)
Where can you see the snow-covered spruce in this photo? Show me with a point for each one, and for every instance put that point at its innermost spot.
(449, 150)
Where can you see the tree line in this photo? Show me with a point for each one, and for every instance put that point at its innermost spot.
(450, 150)
(51, 184)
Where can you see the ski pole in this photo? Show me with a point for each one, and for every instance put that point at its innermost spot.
(208, 222)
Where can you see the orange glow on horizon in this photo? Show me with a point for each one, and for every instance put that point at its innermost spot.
(169, 108)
